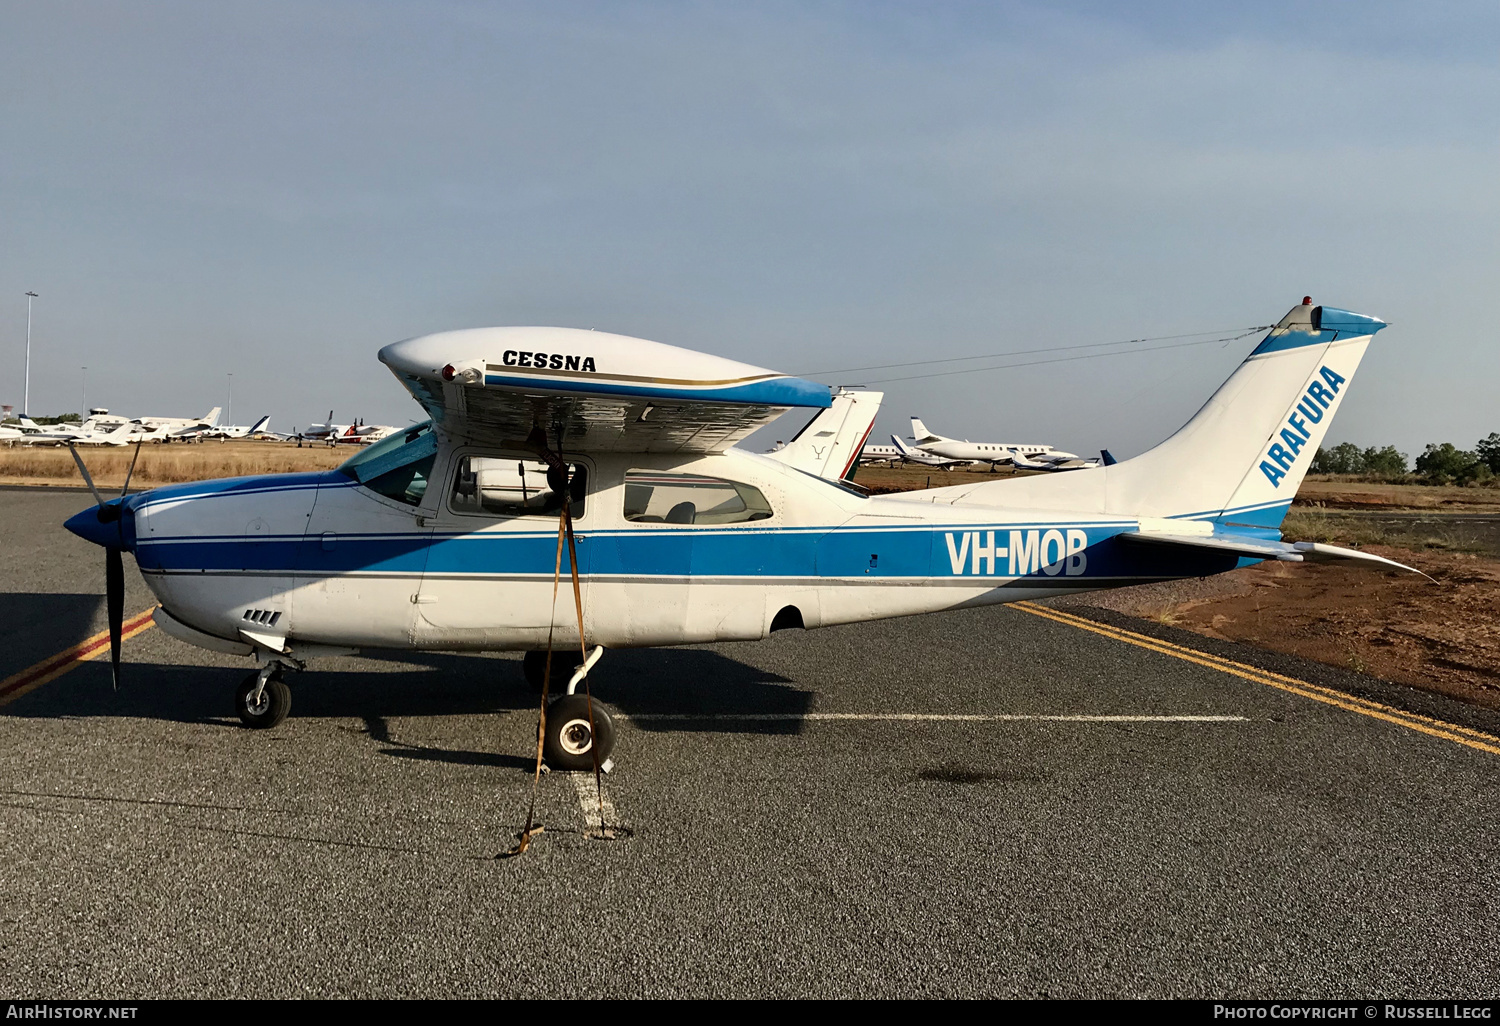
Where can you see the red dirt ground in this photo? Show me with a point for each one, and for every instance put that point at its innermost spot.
(1442, 637)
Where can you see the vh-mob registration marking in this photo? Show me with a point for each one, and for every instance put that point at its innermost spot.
(1053, 552)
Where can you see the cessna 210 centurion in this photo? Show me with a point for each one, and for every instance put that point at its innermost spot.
(448, 535)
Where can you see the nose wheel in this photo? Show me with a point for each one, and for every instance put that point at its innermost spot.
(263, 699)
(570, 739)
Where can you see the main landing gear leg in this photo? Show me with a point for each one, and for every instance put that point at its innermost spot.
(571, 739)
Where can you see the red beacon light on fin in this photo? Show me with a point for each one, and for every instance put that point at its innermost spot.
(1306, 301)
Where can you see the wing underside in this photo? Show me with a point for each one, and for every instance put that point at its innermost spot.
(589, 422)
(591, 391)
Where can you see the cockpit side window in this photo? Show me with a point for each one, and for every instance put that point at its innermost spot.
(653, 497)
(505, 486)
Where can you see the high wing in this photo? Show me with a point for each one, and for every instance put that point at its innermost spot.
(597, 391)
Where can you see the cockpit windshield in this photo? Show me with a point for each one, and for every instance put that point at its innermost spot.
(397, 467)
(395, 440)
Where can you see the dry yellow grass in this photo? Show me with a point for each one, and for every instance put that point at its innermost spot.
(1350, 492)
(164, 464)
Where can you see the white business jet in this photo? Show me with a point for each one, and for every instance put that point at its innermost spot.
(910, 454)
(430, 541)
(887, 454)
(227, 431)
(993, 453)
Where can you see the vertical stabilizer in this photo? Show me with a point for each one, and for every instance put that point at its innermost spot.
(1243, 455)
(920, 434)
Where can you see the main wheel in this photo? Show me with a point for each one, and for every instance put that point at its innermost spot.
(570, 743)
(275, 702)
(534, 664)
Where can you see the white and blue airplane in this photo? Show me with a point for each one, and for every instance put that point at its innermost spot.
(1054, 461)
(447, 535)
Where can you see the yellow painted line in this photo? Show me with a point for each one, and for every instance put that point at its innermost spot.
(53, 667)
(1454, 732)
(1241, 669)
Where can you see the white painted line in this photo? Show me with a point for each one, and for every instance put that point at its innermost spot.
(589, 800)
(920, 717)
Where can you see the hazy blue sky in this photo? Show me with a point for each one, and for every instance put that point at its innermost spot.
(277, 190)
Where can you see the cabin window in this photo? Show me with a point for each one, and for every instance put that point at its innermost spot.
(652, 497)
(504, 486)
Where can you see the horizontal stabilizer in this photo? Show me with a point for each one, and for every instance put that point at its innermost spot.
(1264, 548)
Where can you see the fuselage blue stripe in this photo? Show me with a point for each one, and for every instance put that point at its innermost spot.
(774, 392)
(1000, 550)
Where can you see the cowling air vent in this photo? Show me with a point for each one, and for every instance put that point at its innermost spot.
(265, 617)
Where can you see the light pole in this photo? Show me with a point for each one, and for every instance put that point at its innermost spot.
(229, 407)
(85, 398)
(26, 394)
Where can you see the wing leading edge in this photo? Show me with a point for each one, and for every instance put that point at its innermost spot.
(598, 391)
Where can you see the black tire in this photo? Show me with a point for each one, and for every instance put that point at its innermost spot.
(275, 702)
(569, 744)
(534, 663)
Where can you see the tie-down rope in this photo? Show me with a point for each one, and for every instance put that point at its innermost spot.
(558, 469)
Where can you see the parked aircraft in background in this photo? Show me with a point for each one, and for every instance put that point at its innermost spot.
(879, 454)
(323, 432)
(357, 433)
(908, 454)
(430, 540)
(993, 453)
(73, 434)
(176, 427)
(360, 433)
(151, 429)
(1055, 461)
(226, 431)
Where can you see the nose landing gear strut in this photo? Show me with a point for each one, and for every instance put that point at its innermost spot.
(263, 699)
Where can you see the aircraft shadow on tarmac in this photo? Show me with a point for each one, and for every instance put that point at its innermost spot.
(677, 682)
(35, 626)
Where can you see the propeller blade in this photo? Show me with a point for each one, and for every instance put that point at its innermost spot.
(114, 600)
(131, 472)
(86, 478)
